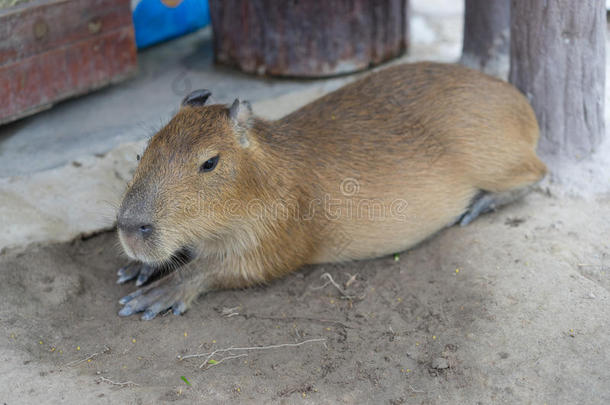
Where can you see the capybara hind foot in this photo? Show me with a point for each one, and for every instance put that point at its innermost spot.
(135, 269)
(174, 292)
(485, 202)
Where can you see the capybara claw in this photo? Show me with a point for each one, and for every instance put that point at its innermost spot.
(179, 308)
(129, 297)
(145, 273)
(162, 295)
(135, 269)
(128, 272)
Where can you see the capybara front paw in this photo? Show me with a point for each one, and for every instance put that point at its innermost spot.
(134, 269)
(162, 295)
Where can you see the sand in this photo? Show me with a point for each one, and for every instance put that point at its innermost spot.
(514, 308)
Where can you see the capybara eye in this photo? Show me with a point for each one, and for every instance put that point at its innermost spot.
(209, 165)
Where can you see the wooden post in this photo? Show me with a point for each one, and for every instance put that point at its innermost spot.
(487, 36)
(558, 60)
(308, 38)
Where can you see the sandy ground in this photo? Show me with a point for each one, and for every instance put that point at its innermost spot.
(514, 308)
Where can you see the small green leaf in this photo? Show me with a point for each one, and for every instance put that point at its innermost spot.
(183, 378)
(396, 257)
(212, 361)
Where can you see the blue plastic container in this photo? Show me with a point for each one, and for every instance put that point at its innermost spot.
(159, 20)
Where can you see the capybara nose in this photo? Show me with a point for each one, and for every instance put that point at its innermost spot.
(137, 229)
(145, 230)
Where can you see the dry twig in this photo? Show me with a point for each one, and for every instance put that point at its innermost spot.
(352, 278)
(229, 312)
(209, 356)
(330, 280)
(215, 363)
(90, 357)
(120, 384)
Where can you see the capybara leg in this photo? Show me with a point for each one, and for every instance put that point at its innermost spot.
(175, 291)
(515, 177)
(502, 189)
(134, 269)
(486, 202)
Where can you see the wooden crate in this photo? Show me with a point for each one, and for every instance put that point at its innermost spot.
(54, 49)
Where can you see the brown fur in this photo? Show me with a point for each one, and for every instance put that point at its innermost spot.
(417, 142)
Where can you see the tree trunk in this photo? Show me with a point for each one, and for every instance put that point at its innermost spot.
(308, 38)
(487, 36)
(558, 60)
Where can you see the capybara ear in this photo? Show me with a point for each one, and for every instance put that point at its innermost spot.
(196, 98)
(240, 114)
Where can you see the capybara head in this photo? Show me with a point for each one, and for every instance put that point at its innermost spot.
(189, 187)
